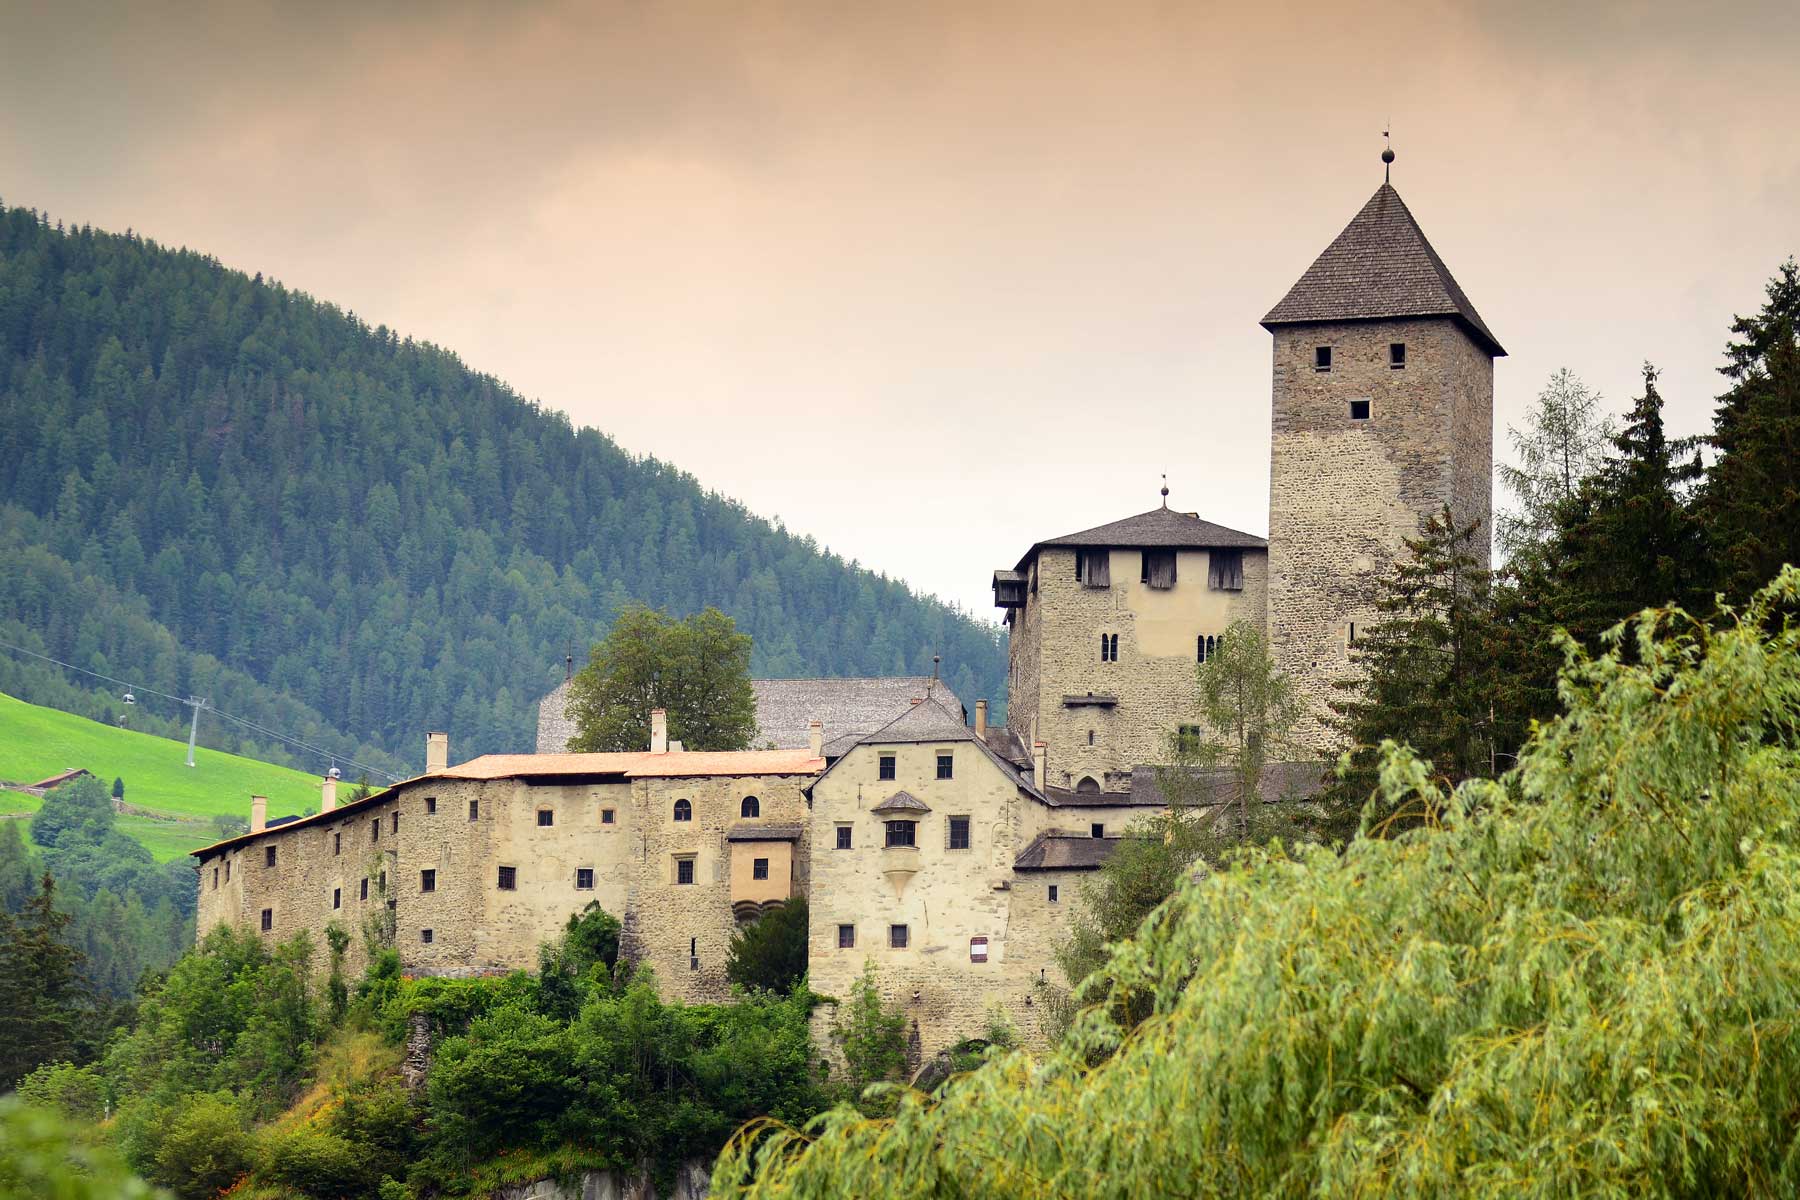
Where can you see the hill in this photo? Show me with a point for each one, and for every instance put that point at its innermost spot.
(36, 743)
(217, 486)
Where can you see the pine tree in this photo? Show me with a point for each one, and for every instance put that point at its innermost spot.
(1751, 501)
(42, 995)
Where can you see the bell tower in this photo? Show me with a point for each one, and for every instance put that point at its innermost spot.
(1383, 412)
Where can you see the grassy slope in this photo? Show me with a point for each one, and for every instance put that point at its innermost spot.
(38, 742)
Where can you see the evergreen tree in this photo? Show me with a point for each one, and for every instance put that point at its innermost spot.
(1751, 501)
(769, 954)
(696, 670)
(42, 997)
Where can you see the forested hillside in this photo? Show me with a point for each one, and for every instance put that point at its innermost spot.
(218, 486)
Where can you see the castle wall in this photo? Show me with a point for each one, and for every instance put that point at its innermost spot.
(1153, 679)
(1344, 494)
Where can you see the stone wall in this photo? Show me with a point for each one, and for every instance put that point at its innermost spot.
(1344, 493)
(1056, 649)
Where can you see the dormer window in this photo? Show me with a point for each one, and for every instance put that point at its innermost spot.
(1158, 569)
(1396, 356)
(1225, 570)
(1093, 568)
(1322, 358)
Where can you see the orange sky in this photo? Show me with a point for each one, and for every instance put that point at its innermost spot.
(933, 281)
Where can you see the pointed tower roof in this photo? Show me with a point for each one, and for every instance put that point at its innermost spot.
(1380, 267)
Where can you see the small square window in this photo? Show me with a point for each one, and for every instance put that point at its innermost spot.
(268, 919)
(1322, 358)
(430, 805)
(1359, 410)
(959, 833)
(846, 937)
(425, 936)
(428, 880)
(509, 878)
(1097, 829)
(268, 856)
(1397, 356)
(843, 837)
(897, 936)
(606, 816)
(946, 764)
(363, 891)
(337, 843)
(759, 869)
(684, 870)
(546, 818)
(1055, 896)
(887, 766)
(474, 810)
(584, 879)
(337, 897)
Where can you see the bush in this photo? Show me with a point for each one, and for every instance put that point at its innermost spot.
(74, 1092)
(315, 1163)
(43, 1158)
(202, 1147)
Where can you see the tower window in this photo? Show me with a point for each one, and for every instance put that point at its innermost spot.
(545, 818)
(1159, 569)
(337, 843)
(751, 807)
(375, 830)
(1055, 896)
(396, 828)
(269, 856)
(1359, 410)
(1109, 647)
(1322, 358)
(759, 869)
(684, 870)
(1090, 737)
(1093, 568)
(474, 810)
(584, 879)
(898, 935)
(428, 880)
(362, 891)
(508, 879)
(843, 837)
(684, 811)
(887, 767)
(337, 897)
(1225, 570)
(215, 879)
(946, 765)
(846, 937)
(1397, 356)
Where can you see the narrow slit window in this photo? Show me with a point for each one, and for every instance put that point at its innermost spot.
(362, 892)
(430, 805)
(396, 825)
(337, 897)
(269, 856)
(337, 843)
(474, 810)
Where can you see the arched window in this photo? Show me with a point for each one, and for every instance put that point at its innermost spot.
(684, 811)
(1088, 786)
(750, 807)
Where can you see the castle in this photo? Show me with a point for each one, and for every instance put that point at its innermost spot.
(947, 851)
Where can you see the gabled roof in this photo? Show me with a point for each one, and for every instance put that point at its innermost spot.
(1380, 266)
(927, 721)
(902, 801)
(1160, 528)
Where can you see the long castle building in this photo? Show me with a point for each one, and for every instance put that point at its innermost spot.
(947, 851)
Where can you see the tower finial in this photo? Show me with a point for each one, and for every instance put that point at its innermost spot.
(1387, 158)
(1165, 489)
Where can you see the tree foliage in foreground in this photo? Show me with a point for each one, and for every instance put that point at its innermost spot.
(1577, 980)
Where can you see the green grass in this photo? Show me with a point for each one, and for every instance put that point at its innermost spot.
(39, 742)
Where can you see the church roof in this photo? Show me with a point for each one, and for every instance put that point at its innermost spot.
(1380, 267)
(1158, 528)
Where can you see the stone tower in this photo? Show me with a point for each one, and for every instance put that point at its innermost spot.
(1383, 413)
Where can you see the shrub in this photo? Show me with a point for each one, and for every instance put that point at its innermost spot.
(43, 1158)
(203, 1147)
(315, 1163)
(74, 1092)
(769, 954)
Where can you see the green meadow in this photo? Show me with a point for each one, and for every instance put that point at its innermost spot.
(36, 743)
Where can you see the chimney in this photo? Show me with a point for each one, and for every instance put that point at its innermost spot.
(328, 792)
(1040, 764)
(675, 747)
(659, 731)
(981, 719)
(437, 752)
(815, 738)
(259, 813)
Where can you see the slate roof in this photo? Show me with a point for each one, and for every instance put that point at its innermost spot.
(764, 833)
(1061, 850)
(1160, 528)
(848, 708)
(902, 801)
(927, 721)
(1380, 266)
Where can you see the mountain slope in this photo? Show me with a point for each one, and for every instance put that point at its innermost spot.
(218, 486)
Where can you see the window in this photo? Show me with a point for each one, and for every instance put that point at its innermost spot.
(1350, 638)
(1158, 569)
(901, 833)
(1188, 738)
(509, 878)
(1322, 358)
(1109, 647)
(846, 937)
(693, 954)
(751, 807)
(1093, 568)
(1090, 737)
(363, 891)
(1097, 829)
(759, 869)
(546, 818)
(887, 766)
(1396, 356)
(897, 936)
(268, 856)
(959, 833)
(843, 837)
(684, 811)
(946, 761)
(684, 870)
(474, 810)
(425, 936)
(268, 919)
(228, 870)
(337, 897)
(428, 880)
(1225, 570)
(1359, 410)
(584, 879)
(337, 843)
(381, 882)
(375, 830)
(1208, 646)
(396, 828)
(1055, 897)
(606, 816)
(430, 805)
(215, 879)
(978, 949)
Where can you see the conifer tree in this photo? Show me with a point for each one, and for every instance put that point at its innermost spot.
(1563, 442)
(1751, 501)
(42, 995)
